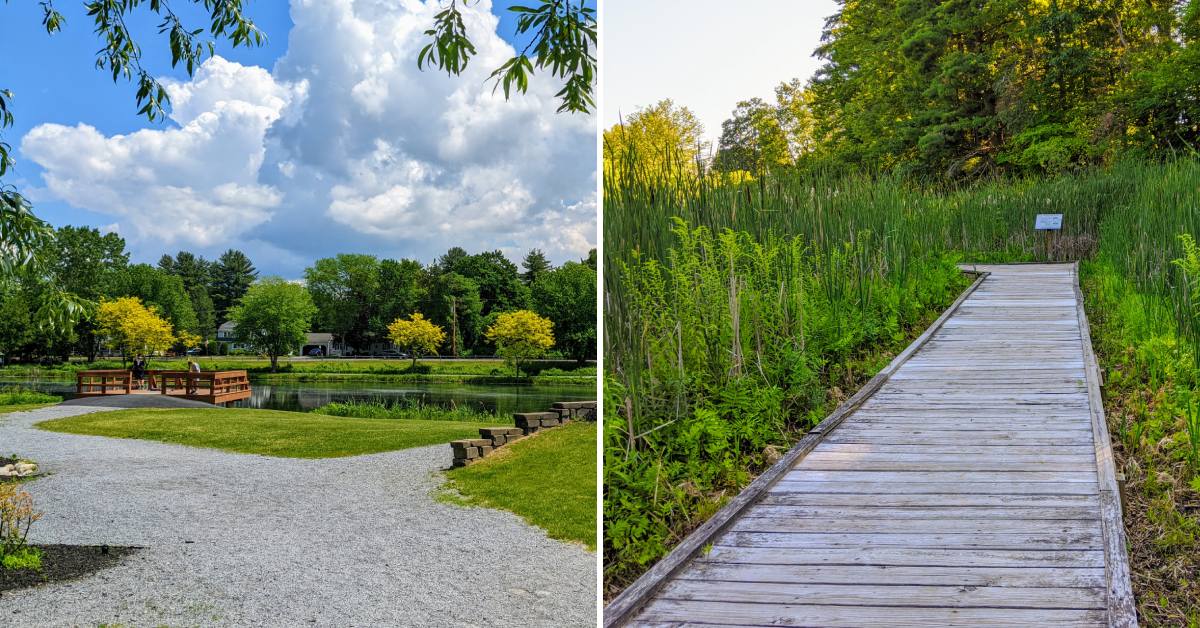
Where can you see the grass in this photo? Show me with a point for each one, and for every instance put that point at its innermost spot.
(17, 396)
(548, 479)
(266, 432)
(409, 410)
(17, 399)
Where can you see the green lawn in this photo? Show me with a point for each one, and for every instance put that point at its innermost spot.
(267, 432)
(548, 479)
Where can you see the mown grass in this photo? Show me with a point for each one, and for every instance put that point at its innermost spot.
(548, 479)
(266, 432)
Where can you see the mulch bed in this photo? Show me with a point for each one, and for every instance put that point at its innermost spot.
(64, 562)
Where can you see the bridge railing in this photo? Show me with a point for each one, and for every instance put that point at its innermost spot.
(207, 383)
(103, 382)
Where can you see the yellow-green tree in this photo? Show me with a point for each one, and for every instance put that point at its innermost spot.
(521, 335)
(131, 327)
(416, 335)
(663, 140)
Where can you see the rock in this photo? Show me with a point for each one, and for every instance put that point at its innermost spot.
(24, 469)
(7, 471)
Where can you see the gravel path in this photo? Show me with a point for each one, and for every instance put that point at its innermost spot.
(234, 539)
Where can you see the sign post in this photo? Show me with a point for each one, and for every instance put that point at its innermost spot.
(1048, 223)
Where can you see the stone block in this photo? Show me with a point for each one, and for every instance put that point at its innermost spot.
(533, 418)
(551, 422)
(485, 450)
(573, 405)
(466, 452)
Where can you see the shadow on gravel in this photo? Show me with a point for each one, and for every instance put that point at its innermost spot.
(64, 562)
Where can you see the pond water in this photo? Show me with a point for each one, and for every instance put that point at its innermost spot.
(500, 398)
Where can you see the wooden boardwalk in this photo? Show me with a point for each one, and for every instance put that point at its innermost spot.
(970, 483)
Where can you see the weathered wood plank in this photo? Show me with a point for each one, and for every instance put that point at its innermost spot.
(905, 556)
(680, 614)
(896, 595)
(864, 512)
(966, 477)
(891, 574)
(931, 500)
(1079, 540)
(915, 527)
(943, 488)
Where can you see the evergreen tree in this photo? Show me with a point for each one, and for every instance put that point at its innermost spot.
(231, 278)
(535, 263)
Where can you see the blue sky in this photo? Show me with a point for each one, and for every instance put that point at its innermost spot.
(480, 174)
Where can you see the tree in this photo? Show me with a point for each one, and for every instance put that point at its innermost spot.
(500, 286)
(752, 140)
(416, 335)
(520, 336)
(206, 320)
(274, 317)
(535, 263)
(161, 290)
(232, 275)
(564, 36)
(131, 327)
(662, 140)
(402, 290)
(89, 265)
(345, 290)
(453, 302)
(567, 296)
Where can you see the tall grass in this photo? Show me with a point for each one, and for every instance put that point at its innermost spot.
(410, 410)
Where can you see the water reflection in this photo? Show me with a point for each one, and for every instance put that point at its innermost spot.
(503, 399)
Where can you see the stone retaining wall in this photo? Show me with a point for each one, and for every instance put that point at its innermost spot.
(470, 450)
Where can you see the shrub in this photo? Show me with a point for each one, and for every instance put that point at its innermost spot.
(15, 395)
(16, 517)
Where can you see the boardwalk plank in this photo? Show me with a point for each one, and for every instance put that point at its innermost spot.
(972, 487)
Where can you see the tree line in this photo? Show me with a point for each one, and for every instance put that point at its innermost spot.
(956, 90)
(354, 296)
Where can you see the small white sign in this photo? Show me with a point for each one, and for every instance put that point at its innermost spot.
(1048, 222)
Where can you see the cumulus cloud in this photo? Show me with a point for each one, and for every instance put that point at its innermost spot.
(195, 185)
(343, 146)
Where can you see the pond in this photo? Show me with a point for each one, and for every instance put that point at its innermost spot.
(500, 398)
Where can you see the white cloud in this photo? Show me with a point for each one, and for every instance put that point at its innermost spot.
(195, 185)
(343, 146)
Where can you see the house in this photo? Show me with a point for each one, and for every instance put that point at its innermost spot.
(320, 344)
(227, 333)
(315, 343)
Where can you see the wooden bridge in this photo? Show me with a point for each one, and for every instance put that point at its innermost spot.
(215, 387)
(971, 482)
